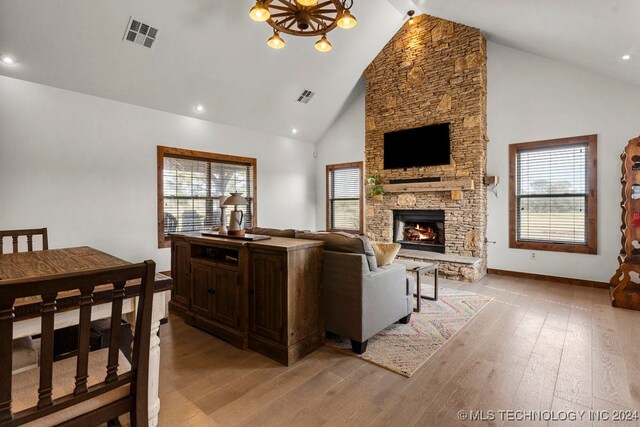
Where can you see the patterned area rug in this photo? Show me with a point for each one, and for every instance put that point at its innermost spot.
(404, 348)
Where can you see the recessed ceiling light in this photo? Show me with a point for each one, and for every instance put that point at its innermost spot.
(294, 130)
(199, 108)
(7, 59)
(410, 15)
(626, 57)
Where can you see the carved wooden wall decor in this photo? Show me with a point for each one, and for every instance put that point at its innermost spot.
(625, 284)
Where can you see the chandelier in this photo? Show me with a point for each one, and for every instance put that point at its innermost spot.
(307, 18)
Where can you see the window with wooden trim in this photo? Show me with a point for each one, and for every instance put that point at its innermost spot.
(553, 197)
(190, 184)
(344, 197)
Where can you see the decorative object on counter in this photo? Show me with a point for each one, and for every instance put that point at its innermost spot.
(223, 227)
(376, 190)
(236, 216)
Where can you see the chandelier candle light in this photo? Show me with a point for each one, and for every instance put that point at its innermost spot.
(307, 18)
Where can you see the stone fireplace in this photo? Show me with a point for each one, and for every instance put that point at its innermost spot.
(431, 72)
(421, 230)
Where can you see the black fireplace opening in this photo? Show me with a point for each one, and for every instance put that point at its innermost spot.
(419, 229)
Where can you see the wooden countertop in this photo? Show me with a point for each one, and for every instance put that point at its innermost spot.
(285, 244)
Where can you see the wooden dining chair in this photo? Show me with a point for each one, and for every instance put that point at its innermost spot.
(92, 388)
(25, 355)
(28, 233)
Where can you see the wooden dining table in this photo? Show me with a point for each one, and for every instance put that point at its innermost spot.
(46, 263)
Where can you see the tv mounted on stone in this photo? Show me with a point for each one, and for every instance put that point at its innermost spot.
(418, 147)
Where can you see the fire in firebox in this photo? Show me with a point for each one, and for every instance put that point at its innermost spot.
(420, 233)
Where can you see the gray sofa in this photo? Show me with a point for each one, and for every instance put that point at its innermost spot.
(360, 298)
(358, 302)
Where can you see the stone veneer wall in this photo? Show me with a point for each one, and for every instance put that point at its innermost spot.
(432, 72)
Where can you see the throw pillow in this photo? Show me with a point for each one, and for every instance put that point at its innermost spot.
(385, 252)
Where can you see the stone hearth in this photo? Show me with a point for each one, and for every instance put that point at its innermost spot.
(433, 72)
(455, 267)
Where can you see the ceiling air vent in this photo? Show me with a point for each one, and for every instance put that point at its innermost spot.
(140, 33)
(306, 96)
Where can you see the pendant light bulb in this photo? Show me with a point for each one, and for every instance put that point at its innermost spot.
(347, 20)
(323, 44)
(259, 13)
(275, 41)
(307, 2)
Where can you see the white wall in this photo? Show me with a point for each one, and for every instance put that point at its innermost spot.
(342, 143)
(85, 167)
(532, 98)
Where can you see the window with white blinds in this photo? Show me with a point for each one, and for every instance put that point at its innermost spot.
(192, 186)
(344, 197)
(554, 202)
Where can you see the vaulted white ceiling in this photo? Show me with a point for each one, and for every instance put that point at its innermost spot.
(209, 52)
(593, 34)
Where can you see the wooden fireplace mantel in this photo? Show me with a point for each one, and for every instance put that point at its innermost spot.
(455, 186)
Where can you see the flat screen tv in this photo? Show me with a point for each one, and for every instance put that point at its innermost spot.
(424, 146)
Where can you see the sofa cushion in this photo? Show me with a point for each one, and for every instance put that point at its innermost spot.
(24, 387)
(275, 232)
(385, 252)
(343, 242)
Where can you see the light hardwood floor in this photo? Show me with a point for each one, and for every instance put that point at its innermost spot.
(537, 345)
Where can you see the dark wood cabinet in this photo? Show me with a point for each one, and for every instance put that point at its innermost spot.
(180, 269)
(215, 304)
(226, 297)
(285, 294)
(201, 288)
(264, 295)
(215, 293)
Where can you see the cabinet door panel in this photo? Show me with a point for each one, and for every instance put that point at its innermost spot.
(201, 288)
(226, 301)
(180, 272)
(266, 296)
